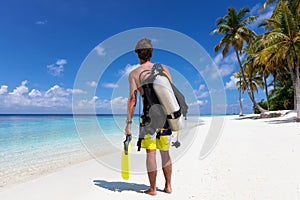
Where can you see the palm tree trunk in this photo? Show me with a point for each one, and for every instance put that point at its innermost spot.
(297, 85)
(247, 84)
(240, 99)
(295, 95)
(266, 89)
(252, 93)
(275, 80)
(293, 77)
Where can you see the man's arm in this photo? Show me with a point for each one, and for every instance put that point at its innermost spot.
(131, 103)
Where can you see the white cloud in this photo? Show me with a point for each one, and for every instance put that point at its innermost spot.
(17, 96)
(228, 59)
(20, 89)
(3, 89)
(201, 93)
(210, 72)
(226, 70)
(103, 104)
(57, 69)
(55, 98)
(119, 103)
(41, 22)
(56, 90)
(128, 69)
(100, 51)
(61, 62)
(85, 103)
(198, 103)
(35, 93)
(76, 91)
(225, 65)
(110, 85)
(231, 85)
(92, 83)
(218, 59)
(201, 87)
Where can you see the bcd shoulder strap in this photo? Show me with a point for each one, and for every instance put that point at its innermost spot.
(158, 69)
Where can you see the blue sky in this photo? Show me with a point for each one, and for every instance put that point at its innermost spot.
(44, 43)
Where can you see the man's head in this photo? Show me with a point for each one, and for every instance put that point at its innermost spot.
(144, 49)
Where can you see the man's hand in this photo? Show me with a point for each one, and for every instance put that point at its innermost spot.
(128, 129)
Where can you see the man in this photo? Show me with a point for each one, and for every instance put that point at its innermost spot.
(144, 50)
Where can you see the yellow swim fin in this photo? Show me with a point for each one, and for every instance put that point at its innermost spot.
(125, 171)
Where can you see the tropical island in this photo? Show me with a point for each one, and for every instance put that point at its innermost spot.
(267, 60)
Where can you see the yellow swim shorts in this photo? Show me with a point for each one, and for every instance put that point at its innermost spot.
(163, 143)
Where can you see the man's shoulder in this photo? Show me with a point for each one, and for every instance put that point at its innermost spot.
(134, 73)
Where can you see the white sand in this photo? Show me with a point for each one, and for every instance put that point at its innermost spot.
(254, 159)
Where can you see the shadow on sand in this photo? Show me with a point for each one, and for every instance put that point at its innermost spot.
(121, 186)
(246, 117)
(282, 121)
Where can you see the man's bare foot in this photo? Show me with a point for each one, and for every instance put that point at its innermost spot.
(150, 192)
(168, 190)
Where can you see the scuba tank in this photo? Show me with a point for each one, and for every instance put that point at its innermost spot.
(167, 98)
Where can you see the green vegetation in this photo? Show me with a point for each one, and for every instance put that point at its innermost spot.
(274, 54)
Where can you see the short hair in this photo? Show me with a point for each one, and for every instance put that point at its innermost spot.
(144, 49)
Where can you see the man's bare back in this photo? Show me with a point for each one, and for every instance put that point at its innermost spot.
(135, 75)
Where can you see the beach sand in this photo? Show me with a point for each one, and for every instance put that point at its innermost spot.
(253, 159)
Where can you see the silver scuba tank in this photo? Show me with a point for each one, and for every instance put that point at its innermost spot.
(167, 99)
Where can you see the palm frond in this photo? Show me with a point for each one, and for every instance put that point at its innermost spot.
(222, 29)
(267, 2)
(226, 49)
(242, 13)
(220, 21)
(248, 20)
(224, 41)
(247, 34)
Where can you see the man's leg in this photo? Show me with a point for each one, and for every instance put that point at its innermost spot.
(167, 169)
(152, 171)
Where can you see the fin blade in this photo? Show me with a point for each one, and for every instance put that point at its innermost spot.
(125, 171)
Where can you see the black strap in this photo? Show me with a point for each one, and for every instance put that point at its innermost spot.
(139, 144)
(175, 114)
(145, 71)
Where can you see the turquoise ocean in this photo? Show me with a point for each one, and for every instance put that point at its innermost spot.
(34, 145)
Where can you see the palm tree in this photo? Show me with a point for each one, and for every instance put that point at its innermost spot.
(241, 88)
(261, 69)
(282, 43)
(234, 26)
(252, 74)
